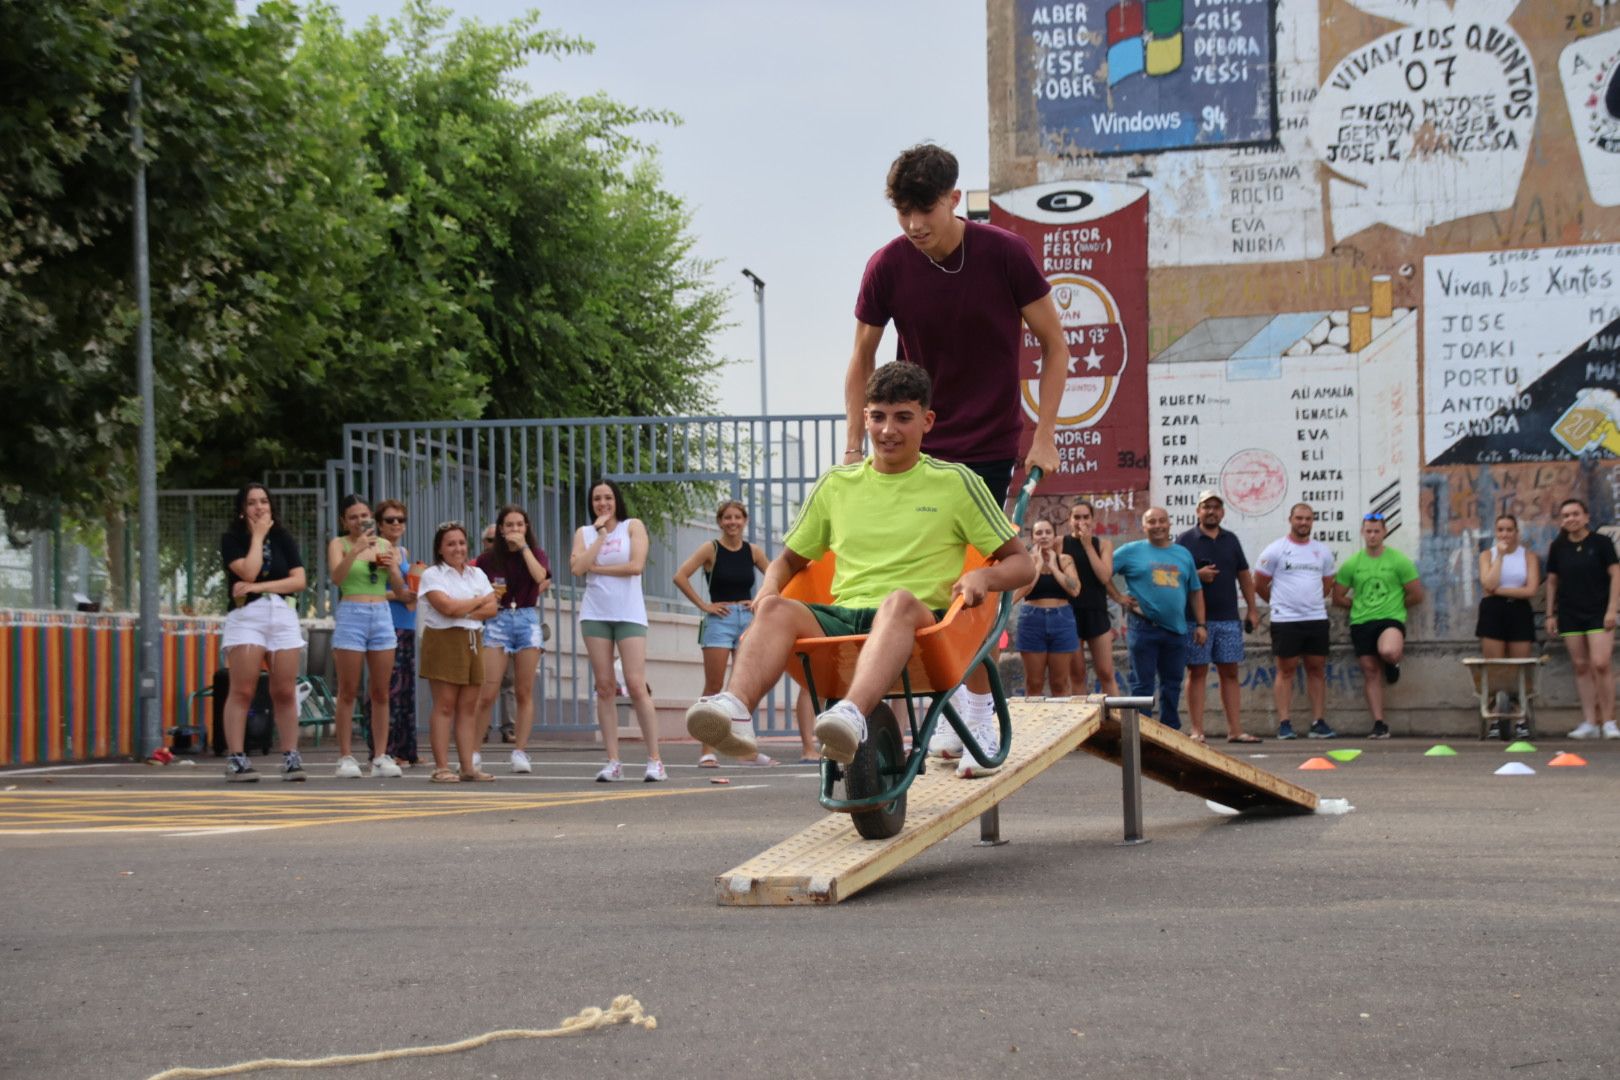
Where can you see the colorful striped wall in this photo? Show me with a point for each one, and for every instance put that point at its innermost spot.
(68, 682)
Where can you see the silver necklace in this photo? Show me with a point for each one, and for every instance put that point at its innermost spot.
(960, 266)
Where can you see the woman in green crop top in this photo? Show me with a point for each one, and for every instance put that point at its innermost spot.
(364, 568)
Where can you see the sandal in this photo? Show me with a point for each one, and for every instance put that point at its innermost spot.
(1244, 738)
(708, 761)
(478, 777)
(809, 760)
(760, 761)
(444, 776)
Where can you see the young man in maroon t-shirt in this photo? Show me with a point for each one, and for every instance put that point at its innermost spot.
(959, 293)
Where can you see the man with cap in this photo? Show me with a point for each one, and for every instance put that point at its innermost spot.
(1223, 570)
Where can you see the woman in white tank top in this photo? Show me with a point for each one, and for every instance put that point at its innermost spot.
(610, 554)
(1509, 575)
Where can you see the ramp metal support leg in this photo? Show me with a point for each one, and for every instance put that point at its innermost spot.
(1130, 760)
(990, 828)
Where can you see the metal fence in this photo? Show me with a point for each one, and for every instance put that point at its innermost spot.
(97, 563)
(673, 471)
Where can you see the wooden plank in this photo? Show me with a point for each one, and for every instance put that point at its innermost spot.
(1172, 758)
(829, 861)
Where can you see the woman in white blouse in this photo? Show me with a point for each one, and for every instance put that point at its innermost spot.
(454, 599)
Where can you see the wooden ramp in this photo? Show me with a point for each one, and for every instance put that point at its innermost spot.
(829, 861)
(1171, 758)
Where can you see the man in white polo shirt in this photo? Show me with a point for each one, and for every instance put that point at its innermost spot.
(1294, 575)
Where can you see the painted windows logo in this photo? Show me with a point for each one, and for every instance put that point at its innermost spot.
(1143, 36)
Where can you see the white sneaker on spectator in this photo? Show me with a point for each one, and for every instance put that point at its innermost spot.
(987, 733)
(383, 765)
(1611, 730)
(841, 730)
(520, 762)
(1587, 730)
(720, 721)
(610, 772)
(655, 772)
(347, 768)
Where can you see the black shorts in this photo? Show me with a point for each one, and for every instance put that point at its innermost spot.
(1505, 618)
(1364, 636)
(1306, 638)
(1579, 622)
(996, 476)
(1092, 622)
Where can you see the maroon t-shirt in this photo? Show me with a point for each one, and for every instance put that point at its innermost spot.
(521, 588)
(964, 329)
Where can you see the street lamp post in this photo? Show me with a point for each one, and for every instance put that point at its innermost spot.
(759, 298)
(150, 734)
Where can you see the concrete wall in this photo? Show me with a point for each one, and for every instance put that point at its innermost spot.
(1380, 265)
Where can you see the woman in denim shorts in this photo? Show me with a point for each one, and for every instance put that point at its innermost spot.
(1046, 628)
(519, 572)
(364, 568)
(728, 566)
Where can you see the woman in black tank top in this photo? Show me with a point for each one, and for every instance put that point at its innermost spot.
(1045, 622)
(1094, 558)
(728, 565)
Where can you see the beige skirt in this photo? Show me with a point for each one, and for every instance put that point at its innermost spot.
(454, 656)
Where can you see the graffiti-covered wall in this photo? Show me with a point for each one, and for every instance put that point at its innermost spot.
(1383, 258)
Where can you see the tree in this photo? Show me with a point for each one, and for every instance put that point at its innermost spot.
(346, 226)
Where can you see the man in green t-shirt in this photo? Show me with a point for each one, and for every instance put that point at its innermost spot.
(1378, 584)
(900, 522)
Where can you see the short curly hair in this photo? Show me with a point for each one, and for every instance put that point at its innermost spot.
(899, 381)
(921, 176)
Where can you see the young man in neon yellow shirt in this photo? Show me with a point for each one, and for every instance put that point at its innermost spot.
(1378, 584)
(900, 522)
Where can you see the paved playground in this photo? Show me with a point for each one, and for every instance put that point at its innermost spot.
(1456, 924)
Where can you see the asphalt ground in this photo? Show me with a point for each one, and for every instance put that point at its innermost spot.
(1455, 924)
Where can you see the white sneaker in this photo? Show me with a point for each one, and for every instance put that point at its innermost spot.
(1587, 730)
(655, 772)
(347, 768)
(987, 733)
(611, 772)
(841, 730)
(720, 721)
(945, 742)
(383, 765)
(520, 762)
(1611, 730)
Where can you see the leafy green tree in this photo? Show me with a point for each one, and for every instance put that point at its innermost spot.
(345, 226)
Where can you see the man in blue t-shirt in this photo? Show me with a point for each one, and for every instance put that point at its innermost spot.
(1161, 581)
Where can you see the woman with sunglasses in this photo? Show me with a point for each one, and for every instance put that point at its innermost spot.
(519, 572)
(455, 600)
(391, 521)
(364, 567)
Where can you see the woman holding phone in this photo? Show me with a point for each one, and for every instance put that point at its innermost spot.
(364, 568)
(401, 746)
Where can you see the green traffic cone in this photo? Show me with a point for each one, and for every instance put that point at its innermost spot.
(1520, 747)
(1344, 755)
(1439, 750)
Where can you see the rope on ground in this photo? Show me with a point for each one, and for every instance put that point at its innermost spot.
(624, 1010)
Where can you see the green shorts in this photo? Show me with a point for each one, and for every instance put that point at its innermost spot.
(611, 631)
(846, 622)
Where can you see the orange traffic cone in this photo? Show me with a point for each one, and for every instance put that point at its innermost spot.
(1566, 760)
(1318, 763)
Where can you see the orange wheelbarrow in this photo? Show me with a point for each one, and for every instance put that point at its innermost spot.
(945, 654)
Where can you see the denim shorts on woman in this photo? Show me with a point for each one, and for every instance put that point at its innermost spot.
(363, 627)
(1047, 630)
(513, 630)
(722, 631)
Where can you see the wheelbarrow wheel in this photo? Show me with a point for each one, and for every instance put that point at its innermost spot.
(877, 762)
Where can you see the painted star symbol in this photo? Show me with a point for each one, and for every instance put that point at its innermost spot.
(1093, 360)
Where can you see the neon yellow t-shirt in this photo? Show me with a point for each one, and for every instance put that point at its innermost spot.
(898, 531)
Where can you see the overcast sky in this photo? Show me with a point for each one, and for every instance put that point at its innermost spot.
(792, 113)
